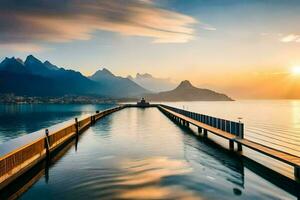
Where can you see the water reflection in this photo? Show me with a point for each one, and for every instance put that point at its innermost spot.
(296, 114)
(17, 120)
(141, 154)
(274, 123)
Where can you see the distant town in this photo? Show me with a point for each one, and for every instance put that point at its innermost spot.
(67, 99)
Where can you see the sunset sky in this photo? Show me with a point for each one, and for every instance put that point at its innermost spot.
(247, 49)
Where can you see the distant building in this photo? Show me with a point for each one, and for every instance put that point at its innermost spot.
(143, 103)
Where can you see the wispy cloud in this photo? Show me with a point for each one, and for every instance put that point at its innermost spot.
(33, 21)
(23, 47)
(291, 38)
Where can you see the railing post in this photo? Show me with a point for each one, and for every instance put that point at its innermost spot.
(47, 143)
(92, 119)
(240, 135)
(76, 126)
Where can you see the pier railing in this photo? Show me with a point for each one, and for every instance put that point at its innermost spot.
(232, 131)
(21, 159)
(235, 128)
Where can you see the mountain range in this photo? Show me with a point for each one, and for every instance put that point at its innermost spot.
(33, 77)
(36, 78)
(185, 91)
(152, 83)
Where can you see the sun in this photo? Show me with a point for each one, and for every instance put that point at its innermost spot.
(296, 70)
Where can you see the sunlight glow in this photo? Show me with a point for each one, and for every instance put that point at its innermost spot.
(296, 70)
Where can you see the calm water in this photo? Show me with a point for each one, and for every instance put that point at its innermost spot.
(273, 123)
(141, 154)
(17, 120)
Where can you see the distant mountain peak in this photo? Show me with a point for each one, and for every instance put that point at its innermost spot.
(104, 70)
(102, 73)
(187, 92)
(20, 61)
(129, 77)
(146, 75)
(13, 65)
(185, 84)
(32, 58)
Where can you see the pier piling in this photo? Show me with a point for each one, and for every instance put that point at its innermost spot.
(199, 129)
(205, 133)
(76, 126)
(231, 145)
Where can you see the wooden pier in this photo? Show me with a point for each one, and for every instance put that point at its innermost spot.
(232, 131)
(17, 159)
(21, 159)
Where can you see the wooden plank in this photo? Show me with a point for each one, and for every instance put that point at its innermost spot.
(274, 153)
(211, 129)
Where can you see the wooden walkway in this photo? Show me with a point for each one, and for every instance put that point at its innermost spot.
(273, 153)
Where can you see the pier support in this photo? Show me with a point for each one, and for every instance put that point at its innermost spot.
(199, 129)
(231, 145)
(76, 126)
(205, 133)
(297, 172)
(47, 143)
(187, 124)
(92, 120)
(239, 147)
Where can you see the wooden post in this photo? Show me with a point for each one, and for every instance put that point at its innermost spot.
(92, 121)
(297, 172)
(76, 126)
(239, 147)
(231, 145)
(204, 133)
(199, 129)
(240, 135)
(47, 143)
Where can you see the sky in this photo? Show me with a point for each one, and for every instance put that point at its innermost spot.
(244, 48)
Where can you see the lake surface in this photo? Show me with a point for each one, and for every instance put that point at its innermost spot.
(141, 154)
(275, 123)
(21, 119)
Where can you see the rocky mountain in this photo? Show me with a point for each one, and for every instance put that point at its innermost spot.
(185, 91)
(36, 78)
(152, 83)
(117, 85)
(13, 65)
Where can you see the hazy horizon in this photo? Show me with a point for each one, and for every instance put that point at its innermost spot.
(246, 49)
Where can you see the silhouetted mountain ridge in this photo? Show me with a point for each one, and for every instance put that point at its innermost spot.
(117, 84)
(185, 91)
(36, 78)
